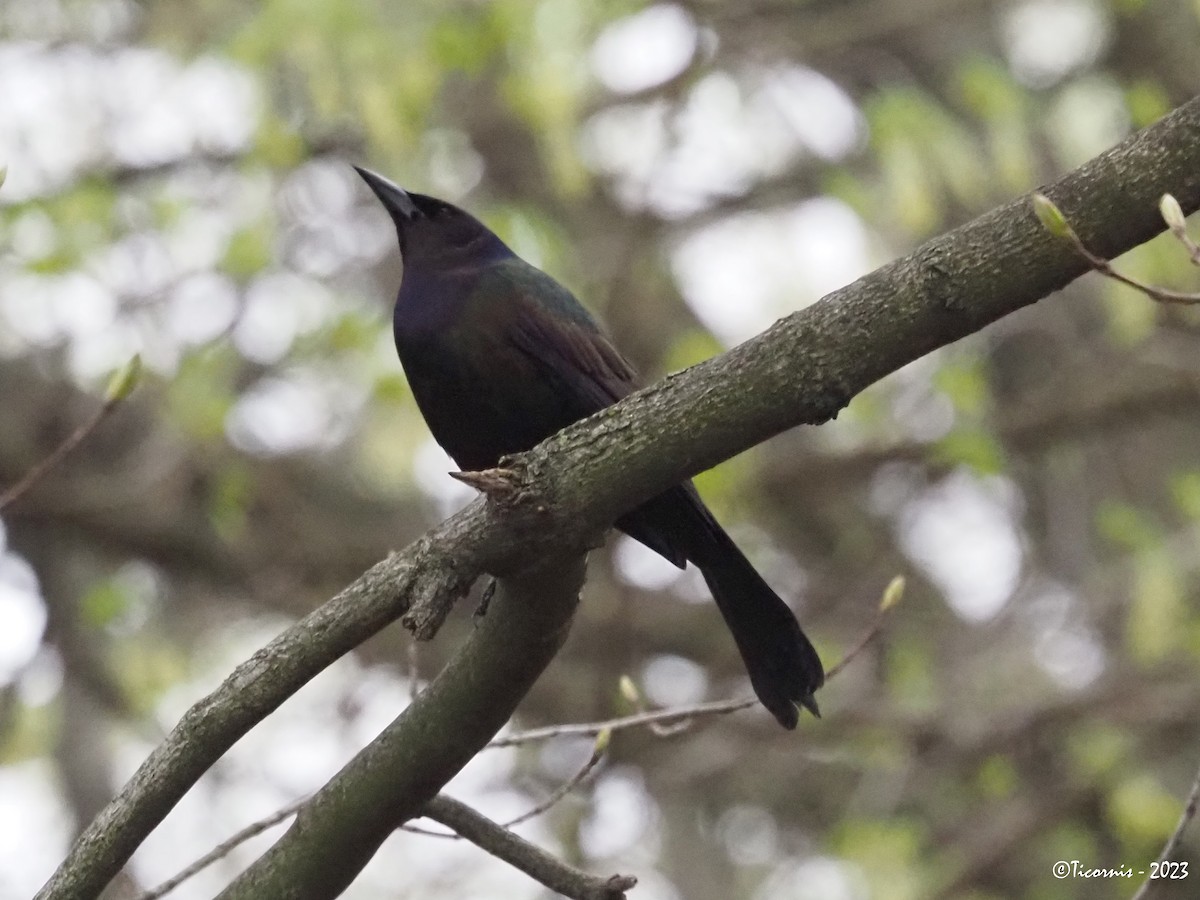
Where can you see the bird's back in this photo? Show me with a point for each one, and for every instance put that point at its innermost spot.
(501, 356)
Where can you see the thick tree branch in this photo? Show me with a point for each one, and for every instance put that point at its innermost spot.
(389, 782)
(802, 370)
(496, 837)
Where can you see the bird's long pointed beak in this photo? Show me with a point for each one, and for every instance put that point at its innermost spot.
(393, 197)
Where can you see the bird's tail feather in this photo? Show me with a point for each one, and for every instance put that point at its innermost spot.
(783, 666)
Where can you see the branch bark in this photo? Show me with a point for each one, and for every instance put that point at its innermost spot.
(803, 369)
(390, 781)
(518, 852)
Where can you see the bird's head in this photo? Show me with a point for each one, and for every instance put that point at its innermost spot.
(432, 232)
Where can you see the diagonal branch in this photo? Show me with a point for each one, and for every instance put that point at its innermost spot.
(531, 860)
(804, 369)
(1164, 860)
(391, 780)
(120, 386)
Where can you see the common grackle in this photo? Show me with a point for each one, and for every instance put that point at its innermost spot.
(500, 356)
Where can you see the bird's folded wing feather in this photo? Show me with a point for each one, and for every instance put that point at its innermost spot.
(575, 354)
(571, 350)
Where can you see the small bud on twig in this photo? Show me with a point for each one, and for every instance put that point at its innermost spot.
(892, 594)
(629, 691)
(602, 740)
(1056, 223)
(1172, 214)
(120, 386)
(124, 380)
(1051, 216)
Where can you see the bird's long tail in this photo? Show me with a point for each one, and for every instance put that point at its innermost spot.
(783, 666)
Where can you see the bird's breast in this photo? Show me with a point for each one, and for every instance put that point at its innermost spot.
(481, 400)
(481, 392)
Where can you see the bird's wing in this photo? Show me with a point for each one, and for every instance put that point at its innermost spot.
(571, 351)
(588, 373)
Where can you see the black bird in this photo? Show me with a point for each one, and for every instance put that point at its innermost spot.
(500, 356)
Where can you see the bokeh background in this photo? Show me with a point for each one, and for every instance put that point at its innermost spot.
(179, 186)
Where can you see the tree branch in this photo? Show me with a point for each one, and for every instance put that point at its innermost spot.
(223, 849)
(390, 781)
(802, 370)
(518, 852)
(1172, 844)
(494, 837)
(491, 834)
(120, 386)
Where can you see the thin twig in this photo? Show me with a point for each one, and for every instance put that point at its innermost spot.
(1192, 248)
(224, 849)
(1168, 850)
(566, 787)
(637, 720)
(684, 715)
(1172, 214)
(522, 855)
(555, 796)
(1159, 294)
(429, 832)
(119, 388)
(869, 635)
(1055, 222)
(227, 846)
(629, 690)
(38, 472)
